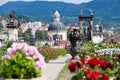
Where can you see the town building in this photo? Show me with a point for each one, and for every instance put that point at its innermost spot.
(57, 32)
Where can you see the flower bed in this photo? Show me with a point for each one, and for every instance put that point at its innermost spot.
(90, 47)
(96, 66)
(52, 53)
(21, 61)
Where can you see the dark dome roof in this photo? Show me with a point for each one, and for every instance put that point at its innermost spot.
(56, 25)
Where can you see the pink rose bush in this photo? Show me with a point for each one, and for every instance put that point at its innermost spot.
(18, 53)
(31, 53)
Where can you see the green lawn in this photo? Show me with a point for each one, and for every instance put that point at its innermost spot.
(64, 74)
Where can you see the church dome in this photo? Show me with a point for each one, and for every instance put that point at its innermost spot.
(56, 25)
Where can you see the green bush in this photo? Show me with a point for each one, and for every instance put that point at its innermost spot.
(62, 52)
(3, 50)
(21, 61)
(46, 46)
(52, 53)
(19, 67)
(90, 47)
(106, 63)
(8, 44)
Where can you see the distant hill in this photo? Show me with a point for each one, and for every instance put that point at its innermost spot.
(107, 11)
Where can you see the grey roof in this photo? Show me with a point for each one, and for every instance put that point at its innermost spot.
(56, 25)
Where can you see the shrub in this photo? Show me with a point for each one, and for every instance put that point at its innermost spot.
(46, 46)
(52, 53)
(21, 61)
(3, 50)
(96, 66)
(62, 52)
(19, 67)
(90, 47)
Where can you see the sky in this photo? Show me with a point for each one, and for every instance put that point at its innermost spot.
(68, 1)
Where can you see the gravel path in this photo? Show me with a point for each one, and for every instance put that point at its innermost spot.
(52, 69)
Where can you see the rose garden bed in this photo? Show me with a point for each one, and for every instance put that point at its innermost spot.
(100, 65)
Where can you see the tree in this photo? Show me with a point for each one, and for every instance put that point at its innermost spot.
(27, 37)
(5, 17)
(23, 19)
(41, 35)
(1, 25)
(20, 33)
(28, 31)
(27, 34)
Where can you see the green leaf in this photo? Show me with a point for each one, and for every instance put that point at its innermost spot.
(80, 75)
(74, 78)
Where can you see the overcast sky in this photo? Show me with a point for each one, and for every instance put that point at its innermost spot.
(69, 1)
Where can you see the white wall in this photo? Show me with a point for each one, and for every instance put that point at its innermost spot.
(97, 39)
(13, 34)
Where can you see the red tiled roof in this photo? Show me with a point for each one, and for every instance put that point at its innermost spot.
(4, 29)
(63, 42)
